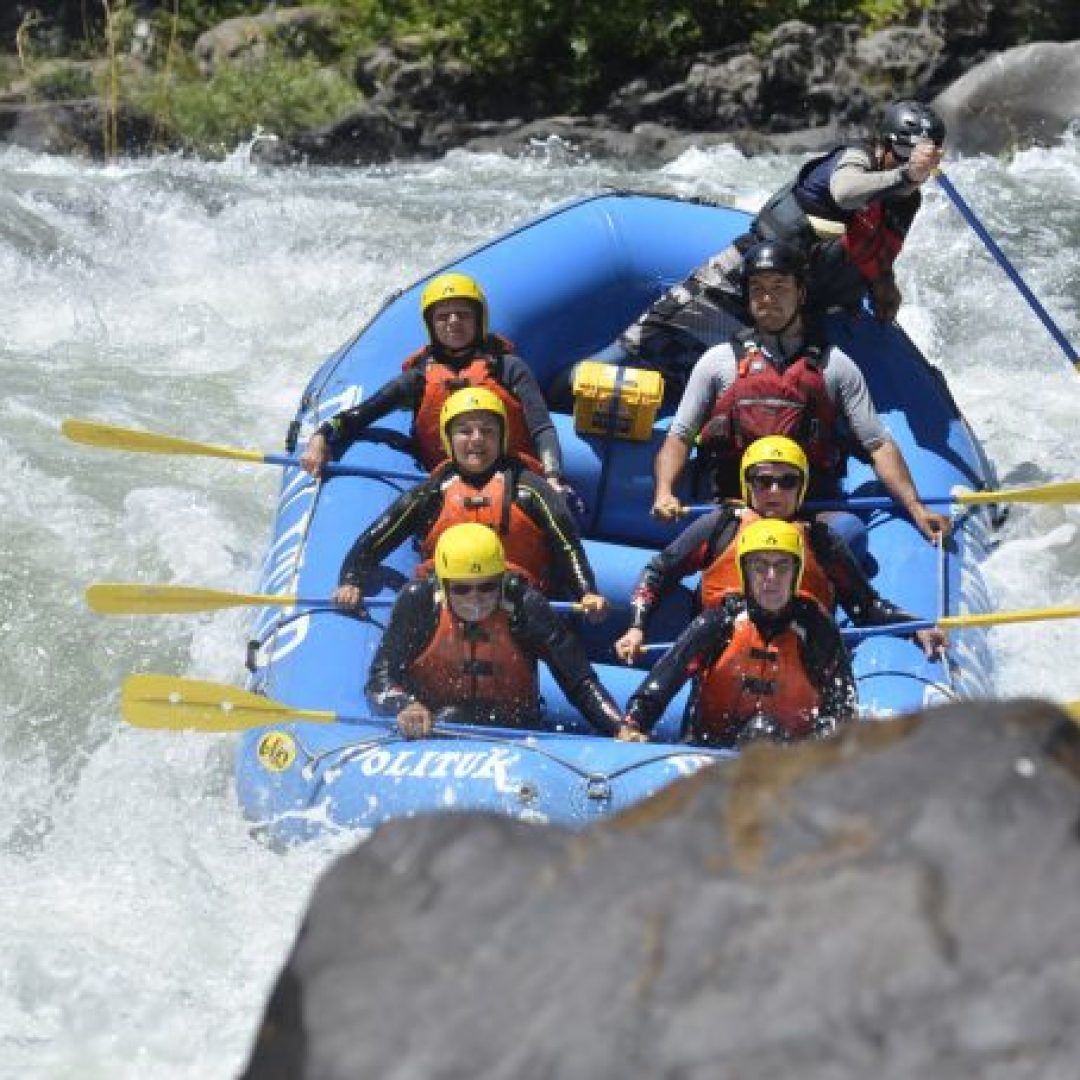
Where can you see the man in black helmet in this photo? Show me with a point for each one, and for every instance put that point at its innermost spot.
(771, 379)
(848, 211)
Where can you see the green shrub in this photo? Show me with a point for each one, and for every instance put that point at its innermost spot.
(280, 95)
(64, 82)
(580, 50)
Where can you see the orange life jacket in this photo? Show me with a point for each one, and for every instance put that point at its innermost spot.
(475, 663)
(753, 676)
(721, 577)
(765, 401)
(525, 543)
(441, 380)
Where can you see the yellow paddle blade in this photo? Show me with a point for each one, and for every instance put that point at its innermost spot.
(167, 703)
(122, 598)
(995, 618)
(1068, 491)
(1073, 709)
(148, 442)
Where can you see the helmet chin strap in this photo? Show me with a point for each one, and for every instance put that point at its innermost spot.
(795, 316)
(769, 622)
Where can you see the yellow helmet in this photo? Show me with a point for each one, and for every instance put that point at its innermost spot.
(471, 399)
(777, 449)
(770, 534)
(455, 287)
(469, 551)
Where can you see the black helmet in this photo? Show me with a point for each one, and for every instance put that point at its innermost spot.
(776, 255)
(904, 123)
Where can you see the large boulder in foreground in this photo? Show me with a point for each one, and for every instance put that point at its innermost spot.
(1026, 95)
(900, 902)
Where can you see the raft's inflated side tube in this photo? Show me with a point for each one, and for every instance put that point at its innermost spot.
(561, 288)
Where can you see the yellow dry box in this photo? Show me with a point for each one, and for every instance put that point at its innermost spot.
(621, 401)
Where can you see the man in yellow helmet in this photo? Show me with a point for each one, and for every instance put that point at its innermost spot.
(461, 352)
(766, 661)
(485, 483)
(467, 637)
(774, 475)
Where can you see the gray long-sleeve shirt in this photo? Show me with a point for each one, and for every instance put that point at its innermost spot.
(717, 371)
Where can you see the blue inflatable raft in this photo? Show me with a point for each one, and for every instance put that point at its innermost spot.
(561, 287)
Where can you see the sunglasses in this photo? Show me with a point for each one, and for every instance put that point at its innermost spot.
(464, 588)
(765, 482)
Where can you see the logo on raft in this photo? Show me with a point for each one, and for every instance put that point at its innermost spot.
(485, 765)
(276, 751)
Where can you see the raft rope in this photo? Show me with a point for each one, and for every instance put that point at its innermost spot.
(589, 776)
(946, 691)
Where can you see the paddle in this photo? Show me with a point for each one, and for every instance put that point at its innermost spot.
(1059, 493)
(124, 598)
(167, 703)
(991, 245)
(90, 433)
(946, 622)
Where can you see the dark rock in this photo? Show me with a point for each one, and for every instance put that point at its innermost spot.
(902, 57)
(369, 135)
(77, 128)
(899, 902)
(1027, 95)
(721, 97)
(428, 88)
(799, 62)
(375, 67)
(564, 136)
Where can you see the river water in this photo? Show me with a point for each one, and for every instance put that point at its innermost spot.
(140, 927)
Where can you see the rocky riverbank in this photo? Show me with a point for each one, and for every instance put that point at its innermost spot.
(797, 88)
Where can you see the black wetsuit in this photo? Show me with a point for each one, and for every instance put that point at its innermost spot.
(537, 630)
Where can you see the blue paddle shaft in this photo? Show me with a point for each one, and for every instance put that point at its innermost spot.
(1002, 260)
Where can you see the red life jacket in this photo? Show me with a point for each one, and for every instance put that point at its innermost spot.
(525, 543)
(872, 240)
(721, 577)
(441, 380)
(475, 663)
(765, 401)
(753, 676)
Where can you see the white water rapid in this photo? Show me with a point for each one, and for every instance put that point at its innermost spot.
(140, 927)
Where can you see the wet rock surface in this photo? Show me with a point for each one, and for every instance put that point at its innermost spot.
(898, 902)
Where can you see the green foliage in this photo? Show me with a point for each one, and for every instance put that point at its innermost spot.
(280, 95)
(879, 14)
(529, 56)
(582, 49)
(64, 82)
